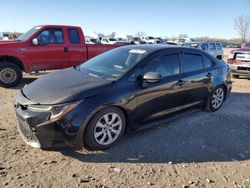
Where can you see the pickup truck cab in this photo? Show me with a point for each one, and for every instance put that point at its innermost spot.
(45, 47)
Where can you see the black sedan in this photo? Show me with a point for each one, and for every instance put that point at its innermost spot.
(124, 89)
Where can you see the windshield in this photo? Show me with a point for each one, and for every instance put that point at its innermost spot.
(151, 37)
(26, 35)
(113, 64)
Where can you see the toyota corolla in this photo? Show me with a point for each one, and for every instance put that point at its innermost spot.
(124, 89)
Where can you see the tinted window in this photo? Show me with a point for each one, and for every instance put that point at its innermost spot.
(165, 65)
(207, 62)
(74, 37)
(211, 46)
(218, 46)
(204, 47)
(50, 36)
(192, 62)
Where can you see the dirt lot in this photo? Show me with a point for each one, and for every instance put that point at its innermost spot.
(196, 150)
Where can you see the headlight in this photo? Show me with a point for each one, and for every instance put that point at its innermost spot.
(57, 111)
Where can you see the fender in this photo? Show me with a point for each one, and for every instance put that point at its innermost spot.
(16, 55)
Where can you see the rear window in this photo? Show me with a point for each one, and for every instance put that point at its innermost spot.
(74, 36)
(192, 62)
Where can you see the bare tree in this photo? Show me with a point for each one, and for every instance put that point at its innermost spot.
(140, 34)
(242, 26)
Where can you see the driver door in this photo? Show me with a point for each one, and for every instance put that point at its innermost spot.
(161, 98)
(50, 52)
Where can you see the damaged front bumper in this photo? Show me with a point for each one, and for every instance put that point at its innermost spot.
(38, 131)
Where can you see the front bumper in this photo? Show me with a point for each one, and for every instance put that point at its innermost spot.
(240, 69)
(38, 131)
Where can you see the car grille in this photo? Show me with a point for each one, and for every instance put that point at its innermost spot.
(244, 68)
(26, 133)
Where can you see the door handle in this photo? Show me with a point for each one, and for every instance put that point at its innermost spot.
(181, 82)
(209, 75)
(66, 49)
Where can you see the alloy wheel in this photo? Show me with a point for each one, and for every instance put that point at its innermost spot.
(108, 128)
(217, 98)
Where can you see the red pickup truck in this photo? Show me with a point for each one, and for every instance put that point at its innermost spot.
(239, 62)
(45, 47)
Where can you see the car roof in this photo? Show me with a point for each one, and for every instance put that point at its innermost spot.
(157, 47)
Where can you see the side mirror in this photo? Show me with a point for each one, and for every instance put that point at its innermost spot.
(35, 42)
(152, 77)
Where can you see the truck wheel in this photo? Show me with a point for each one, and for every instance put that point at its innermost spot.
(10, 74)
(105, 129)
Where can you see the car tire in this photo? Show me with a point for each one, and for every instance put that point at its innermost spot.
(216, 99)
(235, 76)
(102, 132)
(10, 74)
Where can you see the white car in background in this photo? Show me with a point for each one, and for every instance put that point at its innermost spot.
(152, 40)
(108, 40)
(4, 36)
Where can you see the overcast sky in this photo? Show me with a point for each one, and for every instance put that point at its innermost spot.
(213, 18)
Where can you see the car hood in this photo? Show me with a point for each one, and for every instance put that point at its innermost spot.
(64, 86)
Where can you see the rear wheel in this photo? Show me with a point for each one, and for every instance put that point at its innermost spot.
(216, 99)
(10, 74)
(105, 129)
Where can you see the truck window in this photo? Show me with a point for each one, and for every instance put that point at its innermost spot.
(211, 46)
(218, 46)
(204, 46)
(74, 36)
(50, 36)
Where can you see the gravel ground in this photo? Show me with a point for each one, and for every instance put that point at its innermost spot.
(198, 149)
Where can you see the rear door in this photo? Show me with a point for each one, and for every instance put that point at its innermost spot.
(161, 98)
(198, 76)
(76, 46)
(50, 51)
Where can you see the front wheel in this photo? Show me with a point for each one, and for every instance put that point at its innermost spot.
(105, 129)
(10, 74)
(216, 99)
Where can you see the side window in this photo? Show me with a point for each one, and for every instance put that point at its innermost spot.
(192, 62)
(218, 46)
(58, 36)
(44, 37)
(204, 46)
(167, 65)
(211, 46)
(207, 62)
(74, 37)
(50, 36)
